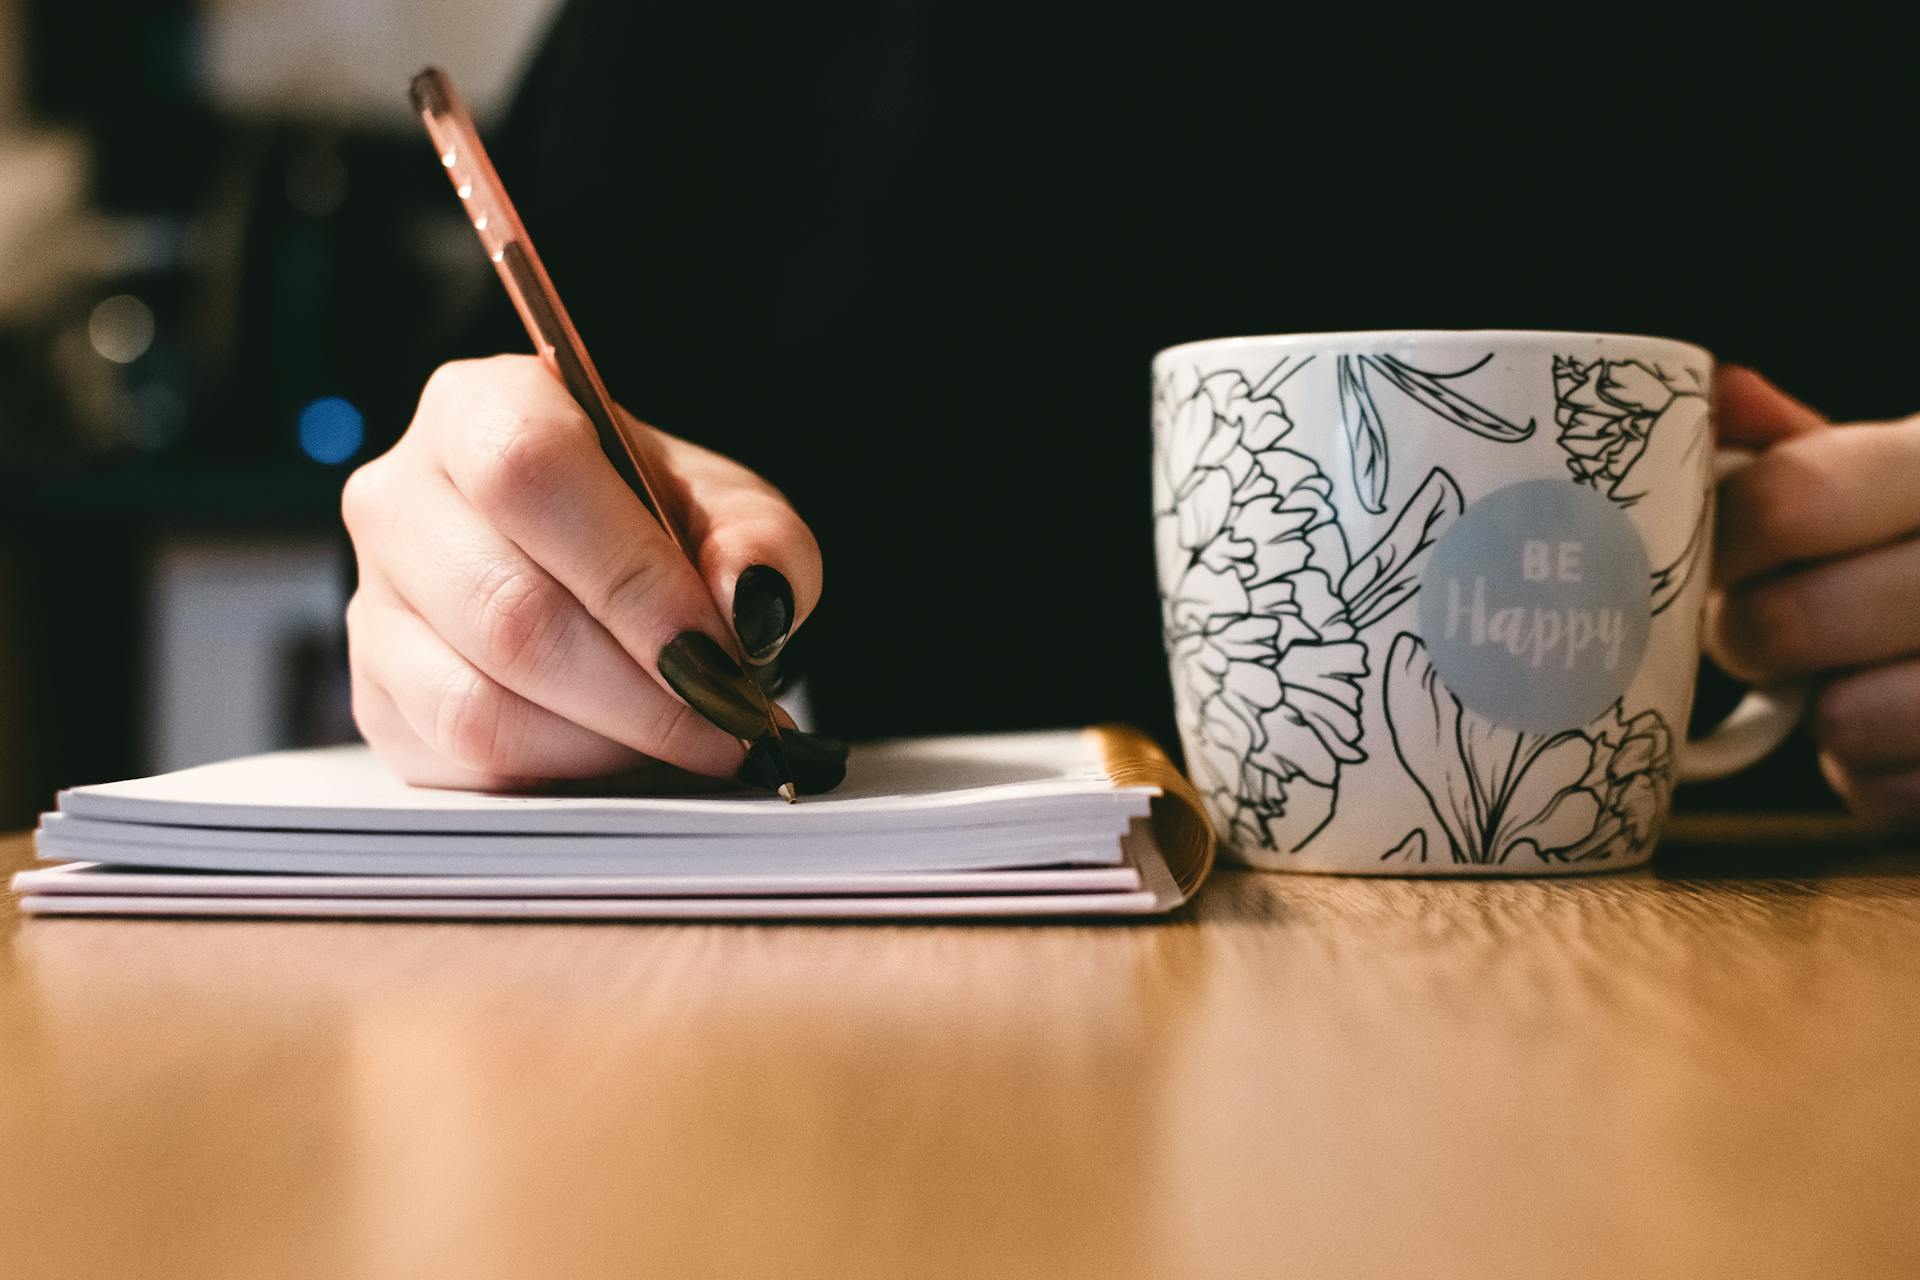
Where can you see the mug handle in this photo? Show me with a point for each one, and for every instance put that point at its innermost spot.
(1764, 717)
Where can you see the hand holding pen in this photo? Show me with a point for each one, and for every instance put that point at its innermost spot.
(546, 583)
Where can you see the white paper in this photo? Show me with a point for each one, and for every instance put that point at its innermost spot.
(1157, 893)
(96, 879)
(1020, 835)
(1005, 904)
(260, 851)
(1019, 824)
(932, 782)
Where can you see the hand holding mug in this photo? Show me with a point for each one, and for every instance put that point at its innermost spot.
(1432, 600)
(1817, 577)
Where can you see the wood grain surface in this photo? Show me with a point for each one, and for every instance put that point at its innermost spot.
(1707, 1069)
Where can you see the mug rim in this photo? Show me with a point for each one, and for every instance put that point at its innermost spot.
(1356, 336)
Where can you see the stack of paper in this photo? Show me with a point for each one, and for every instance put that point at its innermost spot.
(1032, 824)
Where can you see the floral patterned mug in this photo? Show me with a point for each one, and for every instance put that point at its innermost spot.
(1432, 600)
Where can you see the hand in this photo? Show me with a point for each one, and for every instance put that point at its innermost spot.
(520, 615)
(1817, 575)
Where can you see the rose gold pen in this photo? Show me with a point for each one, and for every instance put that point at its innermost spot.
(512, 253)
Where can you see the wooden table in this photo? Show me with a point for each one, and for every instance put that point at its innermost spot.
(1709, 1070)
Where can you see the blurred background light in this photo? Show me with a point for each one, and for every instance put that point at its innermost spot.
(331, 430)
(121, 328)
(206, 210)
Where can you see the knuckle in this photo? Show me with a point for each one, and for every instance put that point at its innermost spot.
(516, 622)
(633, 587)
(361, 497)
(457, 379)
(443, 380)
(668, 733)
(523, 465)
(471, 723)
(450, 380)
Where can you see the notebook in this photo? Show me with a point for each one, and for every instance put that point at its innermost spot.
(1067, 823)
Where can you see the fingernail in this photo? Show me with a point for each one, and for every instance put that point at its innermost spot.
(815, 762)
(762, 611)
(764, 766)
(770, 675)
(819, 763)
(699, 670)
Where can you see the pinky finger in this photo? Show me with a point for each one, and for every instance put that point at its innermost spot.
(480, 731)
(403, 751)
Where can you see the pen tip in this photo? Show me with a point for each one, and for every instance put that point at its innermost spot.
(786, 793)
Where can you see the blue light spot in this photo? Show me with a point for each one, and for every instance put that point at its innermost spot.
(331, 430)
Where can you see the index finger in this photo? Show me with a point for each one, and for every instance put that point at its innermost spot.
(1820, 494)
(527, 458)
(1750, 412)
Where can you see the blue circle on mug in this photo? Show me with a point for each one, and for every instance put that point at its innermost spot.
(1536, 604)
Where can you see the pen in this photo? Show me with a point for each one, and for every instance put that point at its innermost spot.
(512, 253)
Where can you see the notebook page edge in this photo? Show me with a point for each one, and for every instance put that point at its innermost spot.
(96, 879)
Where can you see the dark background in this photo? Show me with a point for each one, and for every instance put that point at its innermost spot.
(908, 259)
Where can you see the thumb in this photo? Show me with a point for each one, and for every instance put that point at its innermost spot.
(760, 562)
(1752, 413)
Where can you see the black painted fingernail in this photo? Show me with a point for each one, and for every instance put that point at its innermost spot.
(763, 767)
(700, 671)
(819, 763)
(815, 763)
(762, 611)
(770, 675)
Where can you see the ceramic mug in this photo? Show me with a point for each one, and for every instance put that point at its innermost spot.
(1432, 600)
